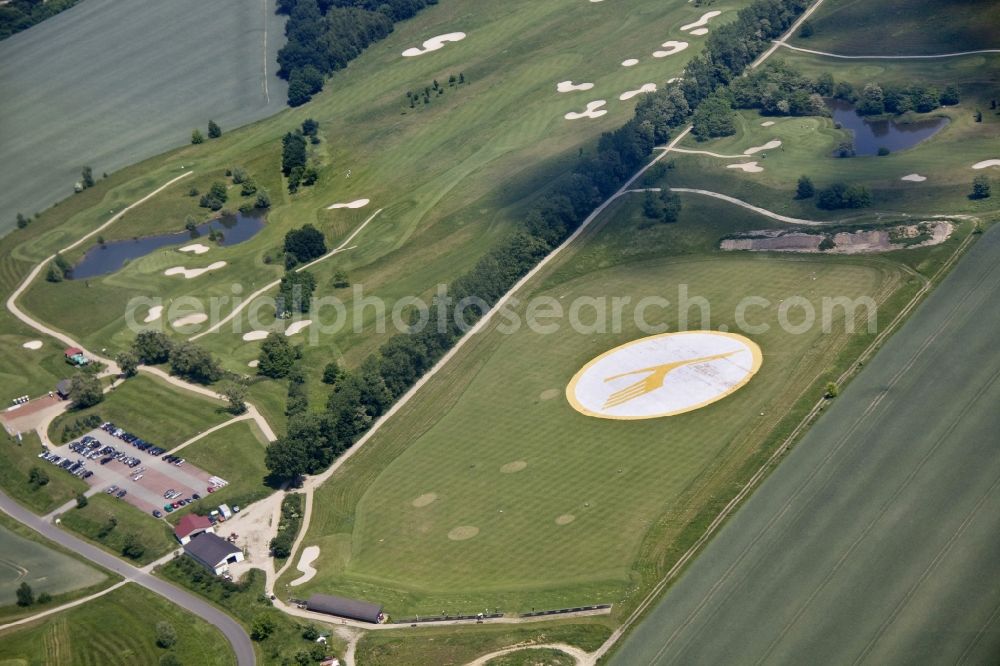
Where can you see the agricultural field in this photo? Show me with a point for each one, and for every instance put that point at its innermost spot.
(547, 508)
(48, 569)
(118, 628)
(131, 99)
(451, 177)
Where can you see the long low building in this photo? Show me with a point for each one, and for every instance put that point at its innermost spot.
(341, 607)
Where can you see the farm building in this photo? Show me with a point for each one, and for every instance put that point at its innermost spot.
(341, 607)
(191, 526)
(212, 552)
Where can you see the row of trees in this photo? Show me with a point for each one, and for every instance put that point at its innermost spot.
(325, 35)
(360, 396)
(186, 359)
(18, 15)
(295, 156)
(214, 132)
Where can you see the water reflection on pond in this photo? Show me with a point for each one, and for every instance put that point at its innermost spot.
(870, 135)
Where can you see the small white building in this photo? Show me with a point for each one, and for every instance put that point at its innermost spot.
(212, 552)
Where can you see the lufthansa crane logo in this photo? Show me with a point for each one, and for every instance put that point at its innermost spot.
(664, 375)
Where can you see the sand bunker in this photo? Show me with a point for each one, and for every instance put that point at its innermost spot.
(32, 344)
(254, 335)
(154, 313)
(986, 163)
(705, 18)
(189, 273)
(359, 203)
(631, 62)
(462, 533)
(434, 43)
(593, 110)
(767, 123)
(549, 394)
(921, 234)
(196, 248)
(647, 88)
(671, 48)
(512, 467)
(699, 31)
(254, 363)
(569, 86)
(309, 555)
(424, 500)
(914, 178)
(767, 146)
(196, 318)
(565, 519)
(746, 167)
(297, 326)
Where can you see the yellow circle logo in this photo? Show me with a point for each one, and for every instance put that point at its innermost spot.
(664, 375)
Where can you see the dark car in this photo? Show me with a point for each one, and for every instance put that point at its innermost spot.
(122, 493)
(157, 513)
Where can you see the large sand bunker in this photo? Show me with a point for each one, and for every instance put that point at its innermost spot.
(463, 532)
(671, 48)
(767, 123)
(196, 248)
(664, 375)
(630, 62)
(254, 335)
(914, 178)
(434, 43)
(309, 555)
(767, 146)
(254, 363)
(191, 319)
(593, 110)
(32, 344)
(746, 167)
(358, 203)
(986, 163)
(705, 18)
(699, 31)
(569, 86)
(154, 313)
(424, 500)
(297, 326)
(921, 234)
(189, 273)
(629, 94)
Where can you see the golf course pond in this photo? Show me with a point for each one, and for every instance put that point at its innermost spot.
(112, 256)
(870, 135)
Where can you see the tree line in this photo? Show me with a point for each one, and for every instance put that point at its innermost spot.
(18, 15)
(325, 35)
(359, 396)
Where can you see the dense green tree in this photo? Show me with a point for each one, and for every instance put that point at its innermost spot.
(950, 96)
(277, 356)
(286, 459)
(235, 394)
(197, 137)
(166, 635)
(195, 363)
(216, 196)
(37, 477)
(152, 347)
(25, 596)
(872, 101)
(310, 127)
(128, 362)
(295, 293)
(805, 188)
(670, 203)
(214, 131)
(841, 195)
(85, 390)
(332, 373)
(263, 199)
(305, 243)
(81, 500)
(22, 221)
(714, 117)
(980, 188)
(293, 152)
(87, 177)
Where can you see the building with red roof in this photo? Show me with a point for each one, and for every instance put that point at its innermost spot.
(192, 525)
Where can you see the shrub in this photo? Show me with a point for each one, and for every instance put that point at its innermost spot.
(166, 635)
(841, 195)
(883, 151)
(805, 188)
(196, 137)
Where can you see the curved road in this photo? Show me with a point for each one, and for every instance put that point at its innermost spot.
(886, 57)
(234, 633)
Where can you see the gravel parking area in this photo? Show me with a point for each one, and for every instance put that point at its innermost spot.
(145, 482)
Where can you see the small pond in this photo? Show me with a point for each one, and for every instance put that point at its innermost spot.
(870, 135)
(111, 257)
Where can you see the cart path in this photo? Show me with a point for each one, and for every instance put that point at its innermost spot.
(883, 57)
(66, 606)
(582, 658)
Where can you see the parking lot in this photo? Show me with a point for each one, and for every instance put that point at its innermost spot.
(133, 470)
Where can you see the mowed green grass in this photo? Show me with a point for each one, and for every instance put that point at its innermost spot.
(90, 521)
(116, 629)
(29, 560)
(630, 486)
(235, 453)
(19, 457)
(152, 409)
(452, 177)
(903, 27)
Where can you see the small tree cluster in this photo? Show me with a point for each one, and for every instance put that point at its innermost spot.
(215, 198)
(980, 188)
(841, 195)
(304, 244)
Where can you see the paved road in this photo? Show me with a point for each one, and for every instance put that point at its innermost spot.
(886, 57)
(234, 633)
(875, 541)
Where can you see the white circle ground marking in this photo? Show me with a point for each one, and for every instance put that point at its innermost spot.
(664, 375)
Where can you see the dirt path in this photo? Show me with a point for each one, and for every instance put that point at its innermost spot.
(688, 151)
(66, 606)
(582, 658)
(788, 35)
(883, 57)
(236, 419)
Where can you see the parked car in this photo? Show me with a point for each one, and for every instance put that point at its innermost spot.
(168, 508)
(157, 513)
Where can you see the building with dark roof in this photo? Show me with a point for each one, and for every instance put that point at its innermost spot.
(212, 552)
(63, 388)
(191, 526)
(341, 607)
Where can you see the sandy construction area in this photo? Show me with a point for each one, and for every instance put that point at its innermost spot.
(358, 203)
(297, 326)
(920, 234)
(593, 110)
(569, 86)
(670, 48)
(629, 94)
(254, 335)
(746, 167)
(770, 145)
(309, 555)
(196, 248)
(434, 43)
(705, 18)
(914, 178)
(189, 320)
(664, 375)
(189, 273)
(32, 344)
(986, 163)
(154, 313)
